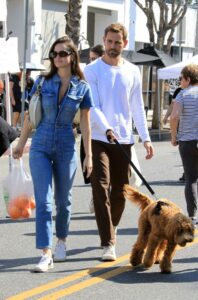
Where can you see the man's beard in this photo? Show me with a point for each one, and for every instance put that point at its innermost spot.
(113, 53)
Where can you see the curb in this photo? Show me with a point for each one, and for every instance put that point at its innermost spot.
(160, 135)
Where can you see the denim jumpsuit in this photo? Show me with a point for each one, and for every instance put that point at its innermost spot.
(53, 155)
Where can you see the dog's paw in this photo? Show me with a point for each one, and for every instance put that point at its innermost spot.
(147, 264)
(157, 262)
(166, 271)
(135, 263)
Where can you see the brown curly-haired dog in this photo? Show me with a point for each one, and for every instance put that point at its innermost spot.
(161, 227)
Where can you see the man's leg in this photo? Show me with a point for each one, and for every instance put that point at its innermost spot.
(100, 181)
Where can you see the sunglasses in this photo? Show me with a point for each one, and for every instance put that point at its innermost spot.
(63, 53)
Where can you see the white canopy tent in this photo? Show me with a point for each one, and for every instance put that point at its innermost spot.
(174, 71)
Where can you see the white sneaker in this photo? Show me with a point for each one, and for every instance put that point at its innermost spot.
(60, 251)
(109, 253)
(91, 206)
(45, 263)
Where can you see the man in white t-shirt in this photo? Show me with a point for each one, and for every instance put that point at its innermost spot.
(117, 95)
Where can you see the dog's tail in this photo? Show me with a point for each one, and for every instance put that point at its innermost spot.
(136, 197)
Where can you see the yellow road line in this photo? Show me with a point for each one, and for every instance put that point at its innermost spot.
(84, 284)
(61, 281)
(99, 278)
(78, 275)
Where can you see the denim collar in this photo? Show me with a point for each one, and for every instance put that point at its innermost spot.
(73, 81)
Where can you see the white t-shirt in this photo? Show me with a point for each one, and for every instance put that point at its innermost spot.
(117, 95)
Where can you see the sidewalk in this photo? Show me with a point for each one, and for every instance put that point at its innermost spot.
(158, 134)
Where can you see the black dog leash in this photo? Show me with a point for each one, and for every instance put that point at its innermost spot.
(133, 166)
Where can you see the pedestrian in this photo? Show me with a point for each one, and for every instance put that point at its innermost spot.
(96, 52)
(184, 131)
(7, 135)
(2, 91)
(170, 108)
(28, 88)
(15, 98)
(117, 95)
(168, 113)
(53, 150)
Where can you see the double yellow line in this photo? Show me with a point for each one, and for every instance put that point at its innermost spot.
(56, 283)
(97, 278)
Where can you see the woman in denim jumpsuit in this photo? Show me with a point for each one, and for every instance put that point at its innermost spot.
(53, 151)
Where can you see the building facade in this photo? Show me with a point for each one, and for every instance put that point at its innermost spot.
(46, 21)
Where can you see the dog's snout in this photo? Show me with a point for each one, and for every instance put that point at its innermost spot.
(187, 240)
(190, 240)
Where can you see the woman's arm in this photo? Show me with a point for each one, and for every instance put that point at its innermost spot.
(86, 135)
(174, 122)
(18, 150)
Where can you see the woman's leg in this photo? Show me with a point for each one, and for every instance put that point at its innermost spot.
(41, 170)
(64, 170)
(189, 155)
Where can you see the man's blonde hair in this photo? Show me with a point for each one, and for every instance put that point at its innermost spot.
(116, 27)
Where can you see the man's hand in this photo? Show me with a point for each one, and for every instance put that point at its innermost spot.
(110, 136)
(149, 150)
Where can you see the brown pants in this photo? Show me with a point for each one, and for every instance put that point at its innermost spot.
(110, 172)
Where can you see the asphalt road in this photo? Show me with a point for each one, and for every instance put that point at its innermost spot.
(84, 276)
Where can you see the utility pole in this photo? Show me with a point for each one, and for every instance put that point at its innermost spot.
(23, 79)
(180, 41)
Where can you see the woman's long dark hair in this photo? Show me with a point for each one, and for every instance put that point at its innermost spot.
(75, 64)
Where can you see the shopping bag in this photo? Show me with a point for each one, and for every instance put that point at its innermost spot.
(135, 179)
(18, 192)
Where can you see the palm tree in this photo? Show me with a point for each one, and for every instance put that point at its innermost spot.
(73, 18)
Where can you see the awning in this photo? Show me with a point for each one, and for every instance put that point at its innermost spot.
(164, 60)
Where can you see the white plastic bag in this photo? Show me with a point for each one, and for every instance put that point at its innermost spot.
(18, 192)
(136, 181)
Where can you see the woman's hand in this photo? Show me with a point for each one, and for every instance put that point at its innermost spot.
(88, 165)
(174, 141)
(17, 152)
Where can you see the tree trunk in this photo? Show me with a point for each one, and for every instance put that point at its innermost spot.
(158, 105)
(73, 18)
